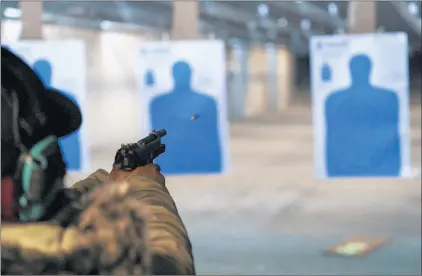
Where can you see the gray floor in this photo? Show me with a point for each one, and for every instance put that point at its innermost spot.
(269, 216)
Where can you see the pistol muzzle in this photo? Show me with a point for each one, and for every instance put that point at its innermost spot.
(160, 133)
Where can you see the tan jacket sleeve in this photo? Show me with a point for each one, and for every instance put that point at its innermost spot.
(124, 228)
(108, 237)
(96, 179)
(168, 239)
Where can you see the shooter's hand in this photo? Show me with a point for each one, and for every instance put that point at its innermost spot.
(150, 170)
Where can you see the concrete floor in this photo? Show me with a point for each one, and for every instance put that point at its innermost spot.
(269, 216)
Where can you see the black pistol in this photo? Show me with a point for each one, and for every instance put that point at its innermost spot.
(131, 156)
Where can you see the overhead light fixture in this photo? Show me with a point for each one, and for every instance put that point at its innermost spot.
(305, 24)
(332, 8)
(12, 13)
(413, 8)
(105, 25)
(263, 10)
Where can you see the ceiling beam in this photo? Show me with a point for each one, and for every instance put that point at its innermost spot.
(225, 12)
(413, 21)
(223, 24)
(313, 12)
(120, 11)
(130, 13)
(228, 13)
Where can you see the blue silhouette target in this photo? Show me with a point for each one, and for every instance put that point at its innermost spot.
(190, 118)
(359, 133)
(326, 74)
(362, 127)
(193, 112)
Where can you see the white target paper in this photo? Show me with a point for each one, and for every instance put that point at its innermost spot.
(361, 105)
(183, 90)
(62, 65)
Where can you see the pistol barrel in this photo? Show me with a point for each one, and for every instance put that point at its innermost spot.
(160, 133)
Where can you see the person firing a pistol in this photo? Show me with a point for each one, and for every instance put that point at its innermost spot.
(120, 223)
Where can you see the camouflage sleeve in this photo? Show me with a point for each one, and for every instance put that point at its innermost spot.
(168, 239)
(109, 239)
(128, 228)
(93, 181)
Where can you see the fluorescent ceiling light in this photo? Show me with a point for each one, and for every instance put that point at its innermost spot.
(105, 25)
(12, 13)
